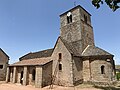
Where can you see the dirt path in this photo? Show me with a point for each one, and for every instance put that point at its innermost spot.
(20, 87)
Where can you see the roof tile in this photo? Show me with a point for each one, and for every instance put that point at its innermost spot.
(40, 54)
(36, 61)
(94, 51)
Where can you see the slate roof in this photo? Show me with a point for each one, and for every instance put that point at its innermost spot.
(40, 54)
(31, 62)
(91, 50)
(70, 46)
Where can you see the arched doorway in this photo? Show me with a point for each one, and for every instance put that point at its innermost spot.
(21, 78)
(33, 75)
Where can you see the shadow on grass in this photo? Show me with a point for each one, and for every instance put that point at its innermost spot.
(107, 88)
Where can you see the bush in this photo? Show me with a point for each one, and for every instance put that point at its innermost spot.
(118, 76)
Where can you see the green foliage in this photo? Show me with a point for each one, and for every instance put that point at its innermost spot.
(107, 87)
(118, 76)
(113, 4)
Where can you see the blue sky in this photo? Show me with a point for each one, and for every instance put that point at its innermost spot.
(34, 25)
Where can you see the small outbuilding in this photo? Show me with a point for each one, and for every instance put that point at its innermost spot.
(4, 59)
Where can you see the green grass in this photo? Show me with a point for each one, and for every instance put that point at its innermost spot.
(107, 88)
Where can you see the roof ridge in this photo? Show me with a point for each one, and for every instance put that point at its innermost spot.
(4, 52)
(70, 47)
(93, 51)
(85, 49)
(103, 50)
(38, 54)
(42, 50)
(65, 44)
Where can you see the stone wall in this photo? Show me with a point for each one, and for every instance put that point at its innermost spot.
(46, 74)
(78, 30)
(19, 70)
(11, 74)
(71, 32)
(65, 76)
(75, 17)
(84, 13)
(38, 80)
(30, 71)
(77, 70)
(96, 74)
(86, 70)
(24, 75)
(3, 64)
(86, 29)
(87, 35)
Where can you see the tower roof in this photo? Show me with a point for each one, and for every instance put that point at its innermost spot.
(75, 8)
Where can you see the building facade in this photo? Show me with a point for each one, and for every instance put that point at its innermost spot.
(4, 59)
(73, 60)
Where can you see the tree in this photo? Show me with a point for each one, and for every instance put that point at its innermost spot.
(113, 4)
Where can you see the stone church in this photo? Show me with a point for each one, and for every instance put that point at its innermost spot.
(74, 59)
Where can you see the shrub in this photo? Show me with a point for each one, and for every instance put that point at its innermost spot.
(118, 76)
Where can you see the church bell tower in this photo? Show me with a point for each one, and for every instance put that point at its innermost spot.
(76, 28)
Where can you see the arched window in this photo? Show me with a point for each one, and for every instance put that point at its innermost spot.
(68, 20)
(33, 74)
(60, 66)
(85, 19)
(102, 69)
(60, 56)
(1, 66)
(69, 17)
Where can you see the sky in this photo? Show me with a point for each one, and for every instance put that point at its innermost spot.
(34, 25)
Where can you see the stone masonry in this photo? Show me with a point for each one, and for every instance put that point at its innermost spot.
(4, 59)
